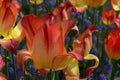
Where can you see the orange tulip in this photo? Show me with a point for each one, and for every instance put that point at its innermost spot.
(95, 3)
(80, 5)
(112, 44)
(116, 5)
(11, 34)
(37, 2)
(108, 17)
(46, 48)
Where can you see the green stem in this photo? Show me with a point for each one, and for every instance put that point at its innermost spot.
(35, 8)
(114, 62)
(6, 61)
(52, 75)
(14, 66)
(46, 75)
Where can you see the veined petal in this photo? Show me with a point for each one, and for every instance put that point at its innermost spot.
(31, 24)
(47, 43)
(92, 57)
(72, 70)
(21, 57)
(8, 13)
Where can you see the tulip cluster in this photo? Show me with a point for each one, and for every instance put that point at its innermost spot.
(59, 40)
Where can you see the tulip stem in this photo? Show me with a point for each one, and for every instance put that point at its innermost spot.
(14, 66)
(52, 75)
(6, 61)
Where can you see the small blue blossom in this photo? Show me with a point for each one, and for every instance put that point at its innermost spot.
(87, 23)
(102, 77)
(108, 68)
(112, 26)
(95, 51)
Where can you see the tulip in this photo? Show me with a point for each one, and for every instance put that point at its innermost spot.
(116, 5)
(11, 35)
(46, 48)
(80, 5)
(108, 17)
(112, 44)
(95, 3)
(84, 43)
(37, 2)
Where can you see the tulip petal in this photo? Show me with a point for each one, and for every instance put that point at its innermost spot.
(92, 57)
(6, 17)
(21, 57)
(60, 62)
(31, 24)
(10, 44)
(47, 43)
(72, 70)
(77, 53)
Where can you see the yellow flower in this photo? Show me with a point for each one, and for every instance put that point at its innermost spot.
(80, 5)
(95, 3)
(36, 1)
(116, 5)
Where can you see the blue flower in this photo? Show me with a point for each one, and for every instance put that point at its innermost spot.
(102, 77)
(108, 68)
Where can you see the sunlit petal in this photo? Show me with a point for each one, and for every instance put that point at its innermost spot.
(72, 70)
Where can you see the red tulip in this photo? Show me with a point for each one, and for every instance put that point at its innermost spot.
(112, 44)
(108, 17)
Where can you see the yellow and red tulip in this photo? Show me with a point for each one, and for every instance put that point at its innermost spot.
(112, 44)
(8, 14)
(116, 5)
(108, 17)
(47, 48)
(84, 43)
(80, 5)
(37, 2)
(95, 3)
